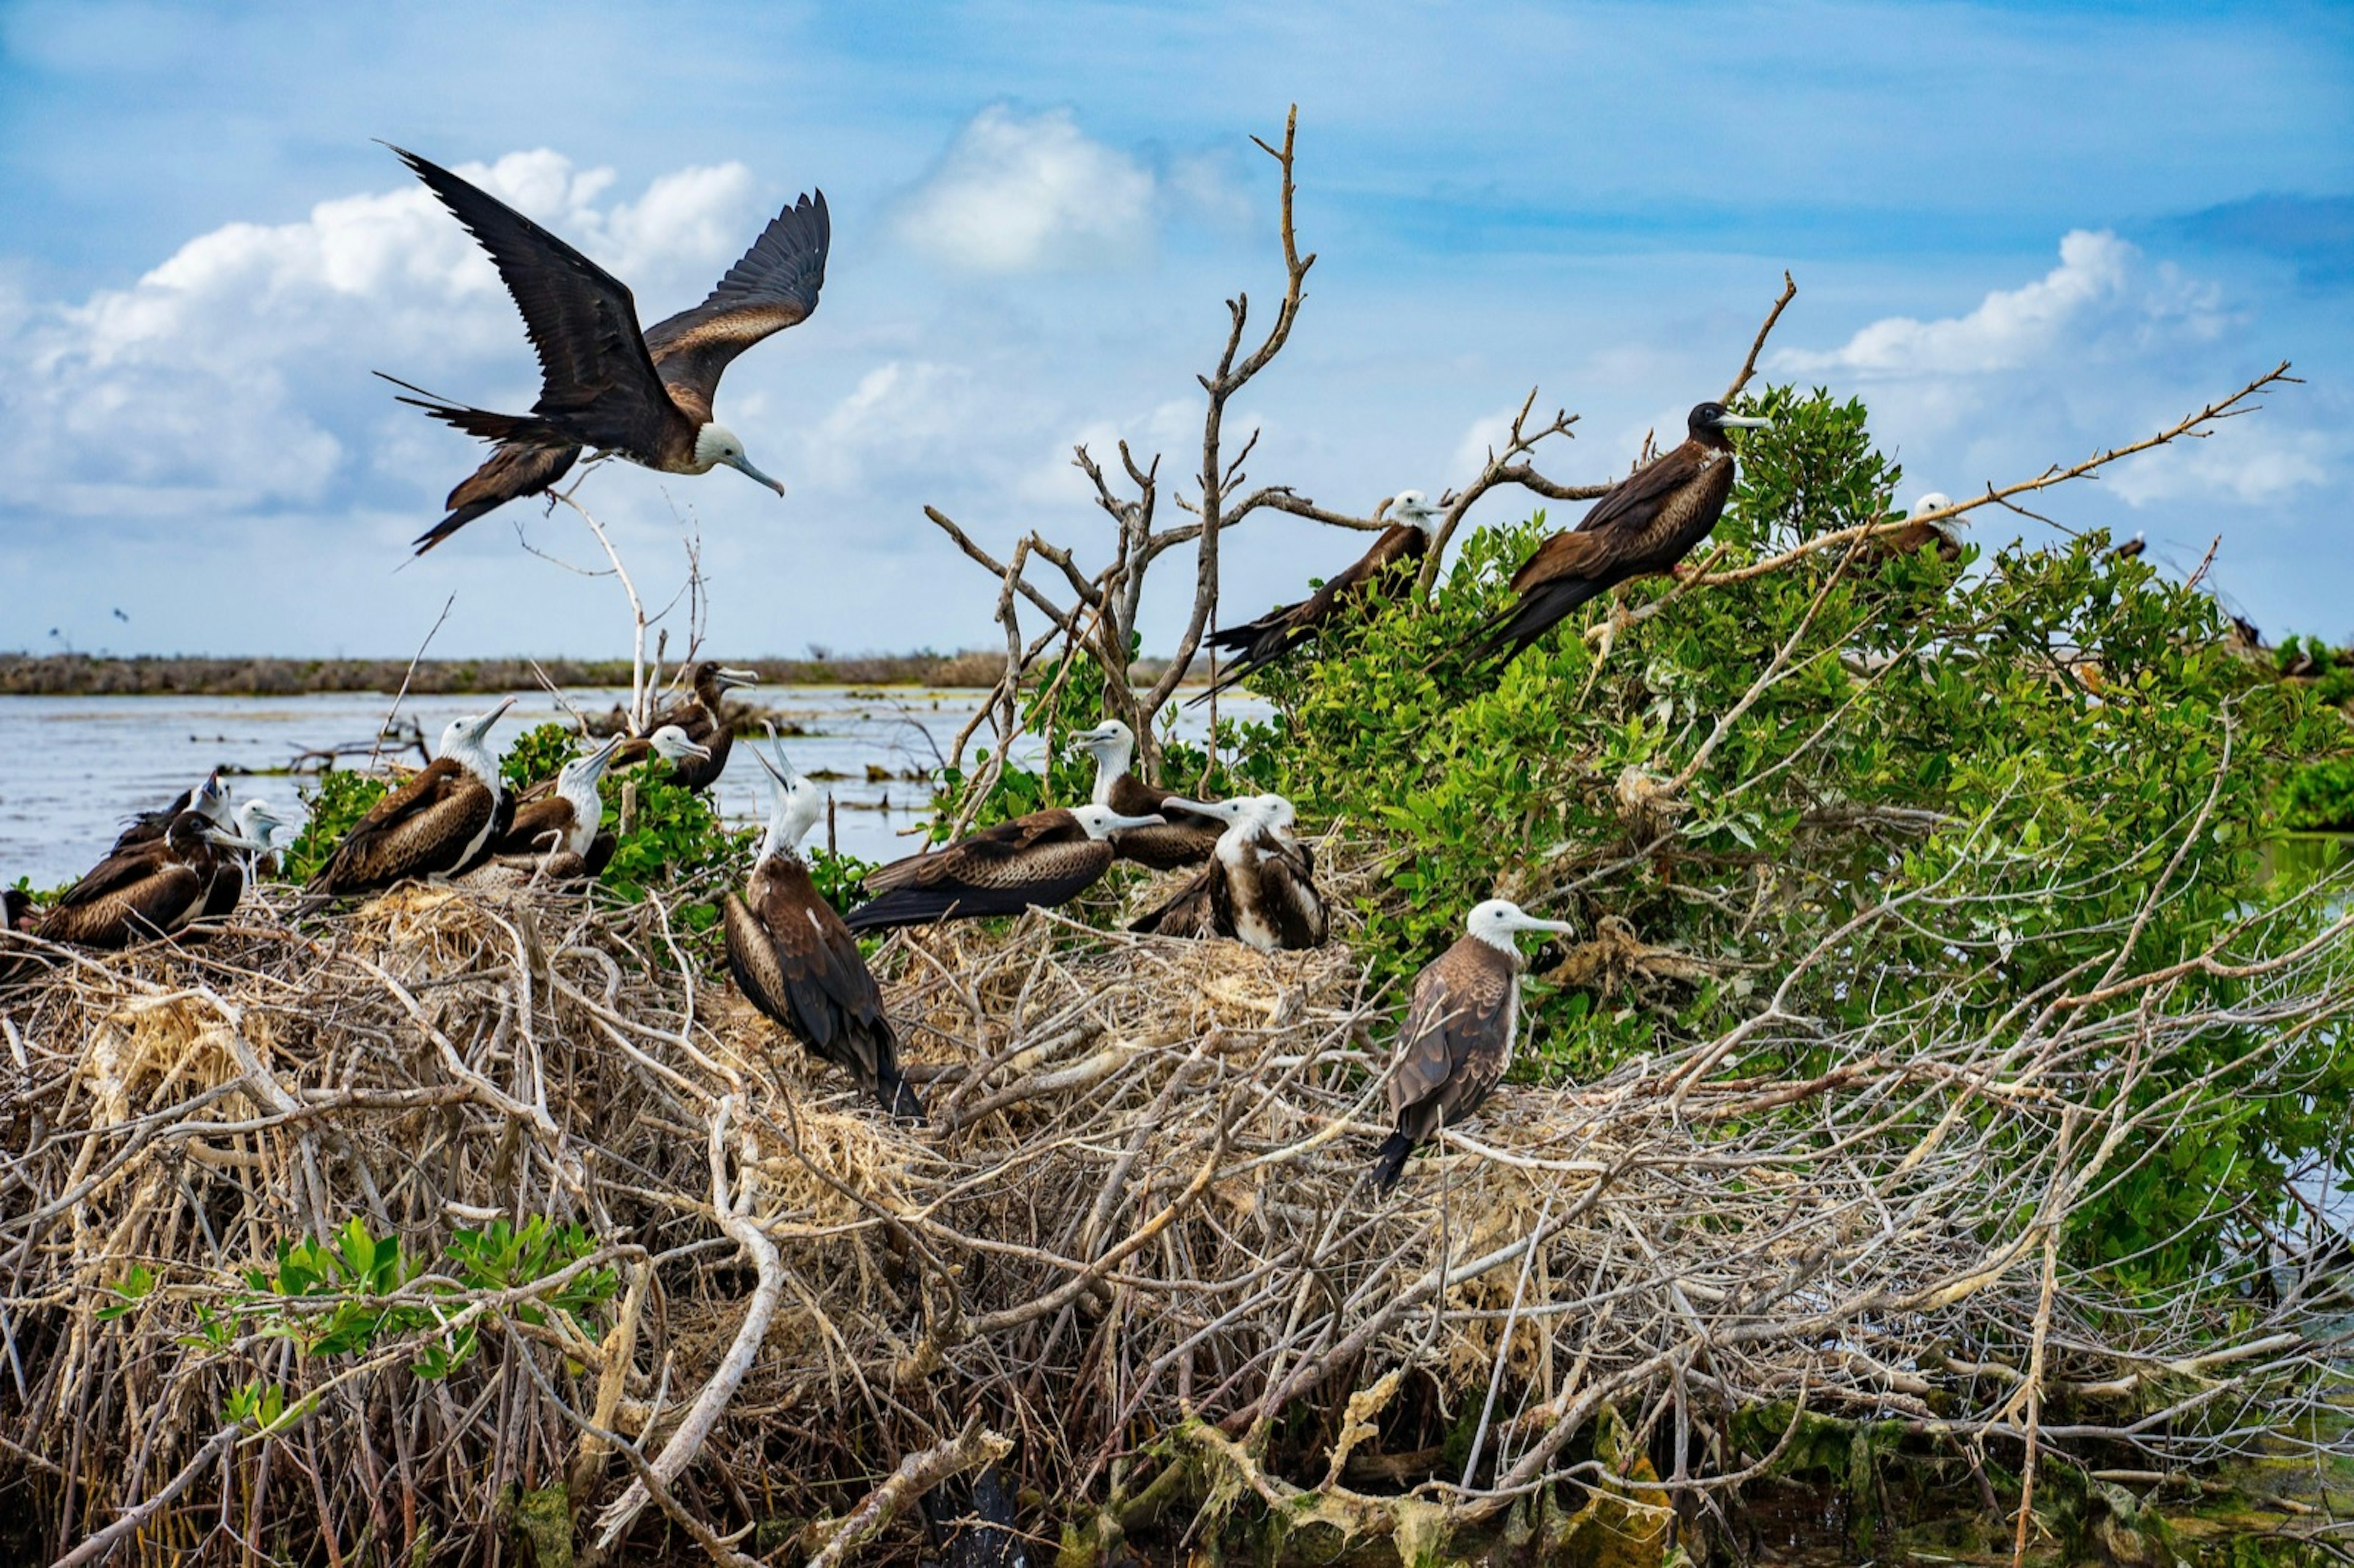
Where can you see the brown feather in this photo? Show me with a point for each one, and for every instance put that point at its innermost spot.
(428, 826)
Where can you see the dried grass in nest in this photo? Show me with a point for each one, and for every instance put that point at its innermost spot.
(1135, 1238)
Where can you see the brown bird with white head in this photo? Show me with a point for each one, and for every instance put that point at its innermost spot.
(1259, 887)
(437, 825)
(1183, 837)
(151, 889)
(1036, 860)
(604, 384)
(796, 961)
(1646, 525)
(1457, 1044)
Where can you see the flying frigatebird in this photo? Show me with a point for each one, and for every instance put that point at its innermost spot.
(1256, 645)
(437, 825)
(1182, 837)
(1457, 1039)
(1040, 859)
(605, 385)
(794, 957)
(1647, 524)
(1259, 887)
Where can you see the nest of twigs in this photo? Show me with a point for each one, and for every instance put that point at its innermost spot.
(1132, 1259)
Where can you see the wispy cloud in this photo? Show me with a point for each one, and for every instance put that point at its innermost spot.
(1020, 194)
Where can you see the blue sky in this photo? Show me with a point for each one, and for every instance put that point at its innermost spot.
(2020, 232)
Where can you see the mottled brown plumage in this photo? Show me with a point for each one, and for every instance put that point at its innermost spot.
(1181, 838)
(151, 889)
(1456, 1043)
(646, 395)
(1043, 859)
(796, 961)
(1259, 887)
(440, 823)
(1647, 524)
(1254, 644)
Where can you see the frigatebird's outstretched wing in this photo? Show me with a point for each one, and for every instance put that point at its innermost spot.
(774, 286)
(597, 383)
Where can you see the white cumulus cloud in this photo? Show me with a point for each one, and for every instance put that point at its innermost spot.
(1020, 194)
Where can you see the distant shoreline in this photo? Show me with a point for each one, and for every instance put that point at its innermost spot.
(95, 675)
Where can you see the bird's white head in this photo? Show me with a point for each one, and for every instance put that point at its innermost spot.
(1935, 501)
(1413, 508)
(795, 801)
(576, 780)
(1113, 745)
(256, 819)
(1276, 811)
(672, 744)
(1102, 822)
(1499, 920)
(211, 798)
(466, 741)
(715, 444)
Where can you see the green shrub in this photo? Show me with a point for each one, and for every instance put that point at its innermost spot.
(341, 798)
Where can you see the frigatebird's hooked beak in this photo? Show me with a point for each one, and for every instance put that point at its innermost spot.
(482, 725)
(729, 679)
(744, 465)
(597, 761)
(1743, 422)
(1224, 810)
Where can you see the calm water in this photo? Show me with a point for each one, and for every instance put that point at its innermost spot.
(71, 768)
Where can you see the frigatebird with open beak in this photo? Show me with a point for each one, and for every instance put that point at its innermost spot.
(1457, 1044)
(604, 384)
(437, 825)
(796, 961)
(1254, 644)
(1646, 525)
(560, 826)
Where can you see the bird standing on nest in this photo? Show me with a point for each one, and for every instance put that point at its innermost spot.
(560, 828)
(796, 961)
(1259, 888)
(1457, 1044)
(151, 889)
(1646, 525)
(437, 825)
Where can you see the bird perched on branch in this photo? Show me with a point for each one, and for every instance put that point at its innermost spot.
(1457, 1044)
(151, 889)
(437, 825)
(795, 960)
(1183, 837)
(1040, 859)
(1646, 525)
(604, 384)
(1259, 888)
(1917, 536)
(1256, 645)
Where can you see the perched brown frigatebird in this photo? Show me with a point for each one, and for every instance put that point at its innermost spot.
(1256, 645)
(1259, 887)
(796, 961)
(437, 825)
(1035, 861)
(1457, 1039)
(151, 889)
(605, 385)
(1647, 524)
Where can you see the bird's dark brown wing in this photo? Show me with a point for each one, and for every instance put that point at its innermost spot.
(1452, 1049)
(145, 905)
(1641, 491)
(538, 825)
(1171, 846)
(596, 376)
(990, 874)
(1185, 913)
(1584, 558)
(774, 285)
(507, 474)
(988, 846)
(116, 872)
(802, 967)
(418, 828)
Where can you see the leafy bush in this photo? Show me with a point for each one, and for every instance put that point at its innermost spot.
(538, 753)
(341, 798)
(2013, 751)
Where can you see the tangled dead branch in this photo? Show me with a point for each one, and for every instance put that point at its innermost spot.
(1133, 1261)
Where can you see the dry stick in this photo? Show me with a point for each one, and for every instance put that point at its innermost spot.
(376, 751)
(918, 1474)
(1749, 366)
(2035, 1389)
(705, 1413)
(105, 1541)
(641, 691)
(1504, 1348)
